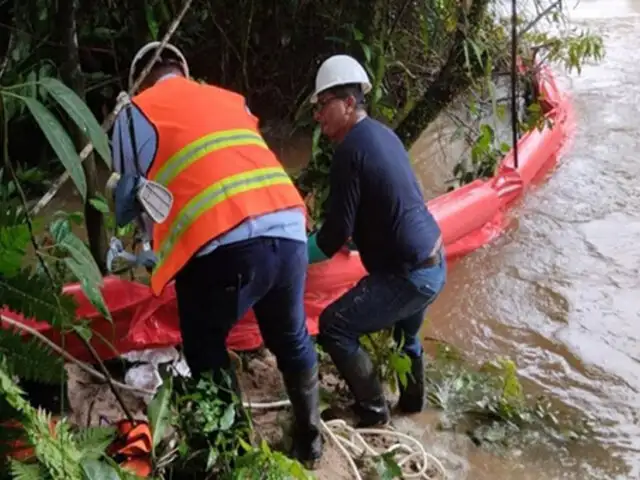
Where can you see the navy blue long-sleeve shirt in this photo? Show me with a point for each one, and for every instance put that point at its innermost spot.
(375, 199)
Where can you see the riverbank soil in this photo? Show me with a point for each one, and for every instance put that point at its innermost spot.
(93, 404)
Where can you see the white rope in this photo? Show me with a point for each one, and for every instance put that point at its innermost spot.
(351, 443)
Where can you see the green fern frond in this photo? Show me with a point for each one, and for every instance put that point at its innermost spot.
(57, 453)
(24, 471)
(61, 454)
(94, 441)
(10, 390)
(33, 296)
(14, 240)
(30, 360)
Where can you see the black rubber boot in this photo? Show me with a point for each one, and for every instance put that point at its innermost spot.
(361, 377)
(412, 396)
(303, 389)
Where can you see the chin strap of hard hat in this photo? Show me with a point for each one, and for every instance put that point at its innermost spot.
(146, 49)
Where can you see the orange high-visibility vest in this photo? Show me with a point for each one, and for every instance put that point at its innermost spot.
(213, 159)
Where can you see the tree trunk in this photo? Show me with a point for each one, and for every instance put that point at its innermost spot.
(452, 80)
(71, 75)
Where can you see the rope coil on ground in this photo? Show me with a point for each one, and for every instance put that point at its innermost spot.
(351, 443)
(416, 453)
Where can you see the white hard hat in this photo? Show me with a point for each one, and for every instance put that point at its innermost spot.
(153, 45)
(340, 70)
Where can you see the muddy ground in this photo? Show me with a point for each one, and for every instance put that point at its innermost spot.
(93, 404)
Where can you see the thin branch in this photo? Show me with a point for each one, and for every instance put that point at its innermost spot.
(109, 121)
(403, 67)
(67, 356)
(541, 15)
(396, 21)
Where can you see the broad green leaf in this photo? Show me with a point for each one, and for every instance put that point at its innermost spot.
(367, 51)
(100, 204)
(67, 240)
(60, 227)
(81, 263)
(80, 114)
(89, 286)
(387, 468)
(60, 142)
(158, 412)
(83, 329)
(229, 416)
(95, 470)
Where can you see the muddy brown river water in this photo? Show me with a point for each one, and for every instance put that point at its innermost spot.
(560, 292)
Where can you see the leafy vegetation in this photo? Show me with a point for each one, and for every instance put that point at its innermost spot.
(490, 405)
(211, 436)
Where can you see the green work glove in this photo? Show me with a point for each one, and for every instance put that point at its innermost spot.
(315, 254)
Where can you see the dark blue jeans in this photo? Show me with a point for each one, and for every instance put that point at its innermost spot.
(381, 301)
(216, 290)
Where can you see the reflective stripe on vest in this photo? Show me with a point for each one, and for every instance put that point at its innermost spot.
(214, 195)
(202, 147)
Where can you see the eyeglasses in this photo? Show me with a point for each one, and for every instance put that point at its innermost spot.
(321, 104)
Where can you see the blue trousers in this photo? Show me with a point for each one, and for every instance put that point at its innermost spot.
(381, 301)
(216, 290)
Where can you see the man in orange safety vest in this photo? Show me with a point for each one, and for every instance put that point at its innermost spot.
(235, 238)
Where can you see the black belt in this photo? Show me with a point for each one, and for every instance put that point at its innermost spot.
(432, 261)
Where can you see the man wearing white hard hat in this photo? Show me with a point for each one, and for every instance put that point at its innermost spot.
(235, 237)
(374, 202)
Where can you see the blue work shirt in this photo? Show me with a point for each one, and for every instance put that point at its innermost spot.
(375, 199)
(289, 223)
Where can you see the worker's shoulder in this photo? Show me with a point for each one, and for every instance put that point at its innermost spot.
(369, 134)
(129, 113)
(373, 141)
